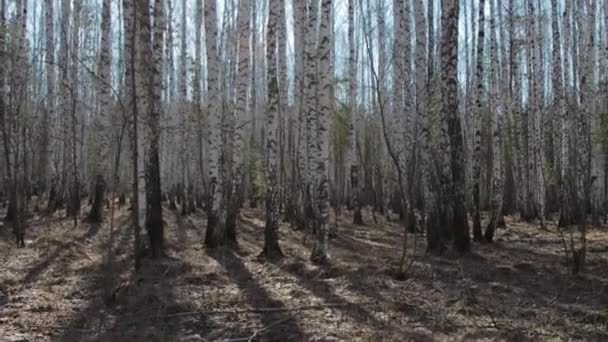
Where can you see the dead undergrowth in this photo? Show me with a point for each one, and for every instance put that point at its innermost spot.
(61, 287)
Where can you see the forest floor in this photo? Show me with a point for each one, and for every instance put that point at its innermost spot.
(61, 287)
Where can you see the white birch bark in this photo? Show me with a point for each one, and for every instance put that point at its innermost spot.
(215, 235)
(271, 243)
(320, 251)
(101, 123)
(479, 108)
(352, 160)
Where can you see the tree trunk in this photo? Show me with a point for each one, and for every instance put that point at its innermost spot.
(154, 217)
(479, 79)
(102, 123)
(320, 251)
(215, 235)
(449, 61)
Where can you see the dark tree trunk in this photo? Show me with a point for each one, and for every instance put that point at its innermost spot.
(122, 200)
(11, 211)
(477, 234)
(437, 234)
(154, 216)
(354, 179)
(96, 213)
(235, 202)
(272, 250)
(73, 206)
(172, 205)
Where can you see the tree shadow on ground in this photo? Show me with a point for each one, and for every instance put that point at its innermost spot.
(282, 326)
(121, 305)
(35, 271)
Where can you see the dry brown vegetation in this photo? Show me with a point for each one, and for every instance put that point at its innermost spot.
(62, 288)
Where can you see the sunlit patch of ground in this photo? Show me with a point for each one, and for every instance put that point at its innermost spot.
(62, 287)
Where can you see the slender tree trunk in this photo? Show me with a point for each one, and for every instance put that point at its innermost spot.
(479, 79)
(243, 30)
(215, 235)
(102, 122)
(49, 111)
(352, 158)
(271, 237)
(449, 59)
(132, 107)
(154, 216)
(320, 251)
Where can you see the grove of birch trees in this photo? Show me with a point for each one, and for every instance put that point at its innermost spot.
(443, 115)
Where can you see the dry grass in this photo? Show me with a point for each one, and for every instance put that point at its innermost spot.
(61, 287)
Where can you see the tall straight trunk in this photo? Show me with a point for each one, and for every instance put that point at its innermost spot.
(300, 39)
(64, 99)
(401, 72)
(73, 208)
(242, 80)
(449, 99)
(352, 159)
(496, 217)
(101, 121)
(16, 128)
(154, 217)
(422, 99)
(271, 237)
(49, 111)
(530, 209)
(560, 112)
(515, 108)
(310, 108)
(5, 120)
(215, 235)
(142, 99)
(132, 107)
(320, 250)
(538, 104)
(479, 108)
(198, 100)
(184, 112)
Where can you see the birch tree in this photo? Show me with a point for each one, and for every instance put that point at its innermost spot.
(101, 121)
(479, 77)
(352, 158)
(320, 251)
(138, 213)
(215, 235)
(271, 238)
(449, 102)
(154, 216)
(244, 15)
